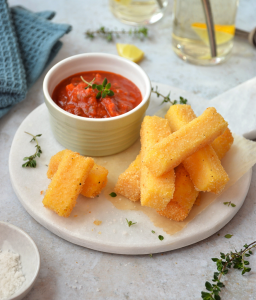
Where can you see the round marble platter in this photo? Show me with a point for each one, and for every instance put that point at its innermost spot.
(113, 235)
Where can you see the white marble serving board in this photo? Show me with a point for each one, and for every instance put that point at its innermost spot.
(113, 235)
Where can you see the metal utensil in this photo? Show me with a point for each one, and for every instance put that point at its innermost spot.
(250, 36)
(210, 26)
(160, 4)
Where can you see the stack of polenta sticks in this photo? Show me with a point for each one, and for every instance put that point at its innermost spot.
(71, 175)
(180, 156)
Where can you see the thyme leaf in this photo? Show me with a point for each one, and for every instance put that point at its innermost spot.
(109, 35)
(228, 236)
(130, 223)
(229, 204)
(30, 161)
(112, 194)
(167, 98)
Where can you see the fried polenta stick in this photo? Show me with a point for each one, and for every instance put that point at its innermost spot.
(184, 196)
(131, 177)
(172, 150)
(95, 182)
(156, 192)
(204, 166)
(67, 183)
(222, 144)
(55, 161)
(128, 183)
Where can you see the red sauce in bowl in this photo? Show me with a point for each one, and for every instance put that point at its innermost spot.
(71, 95)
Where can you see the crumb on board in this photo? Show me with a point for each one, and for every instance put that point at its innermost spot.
(42, 192)
(75, 216)
(97, 222)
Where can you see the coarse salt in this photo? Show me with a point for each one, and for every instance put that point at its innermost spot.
(11, 276)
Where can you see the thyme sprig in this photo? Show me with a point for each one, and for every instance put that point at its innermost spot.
(229, 204)
(103, 89)
(31, 160)
(90, 84)
(108, 34)
(130, 223)
(167, 98)
(224, 263)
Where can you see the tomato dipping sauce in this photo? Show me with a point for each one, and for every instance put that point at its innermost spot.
(72, 95)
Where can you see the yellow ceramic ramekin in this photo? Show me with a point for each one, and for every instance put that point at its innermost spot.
(89, 136)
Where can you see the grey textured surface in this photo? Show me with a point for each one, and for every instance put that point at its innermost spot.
(73, 272)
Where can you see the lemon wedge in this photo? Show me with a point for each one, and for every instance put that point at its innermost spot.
(130, 52)
(223, 33)
(123, 2)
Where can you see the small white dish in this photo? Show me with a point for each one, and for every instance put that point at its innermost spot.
(14, 239)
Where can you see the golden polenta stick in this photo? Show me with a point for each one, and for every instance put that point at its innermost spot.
(172, 150)
(95, 182)
(128, 183)
(222, 144)
(184, 196)
(156, 192)
(67, 183)
(179, 115)
(204, 166)
(55, 161)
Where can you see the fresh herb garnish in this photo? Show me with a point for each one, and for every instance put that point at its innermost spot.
(31, 160)
(183, 100)
(153, 231)
(225, 262)
(150, 255)
(130, 223)
(229, 204)
(90, 84)
(160, 237)
(167, 98)
(104, 88)
(112, 194)
(228, 236)
(107, 34)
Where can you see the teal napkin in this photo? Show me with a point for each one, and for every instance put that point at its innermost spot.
(28, 43)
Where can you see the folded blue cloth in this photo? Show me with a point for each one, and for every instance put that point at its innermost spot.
(28, 43)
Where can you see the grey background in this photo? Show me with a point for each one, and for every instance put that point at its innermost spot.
(72, 272)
